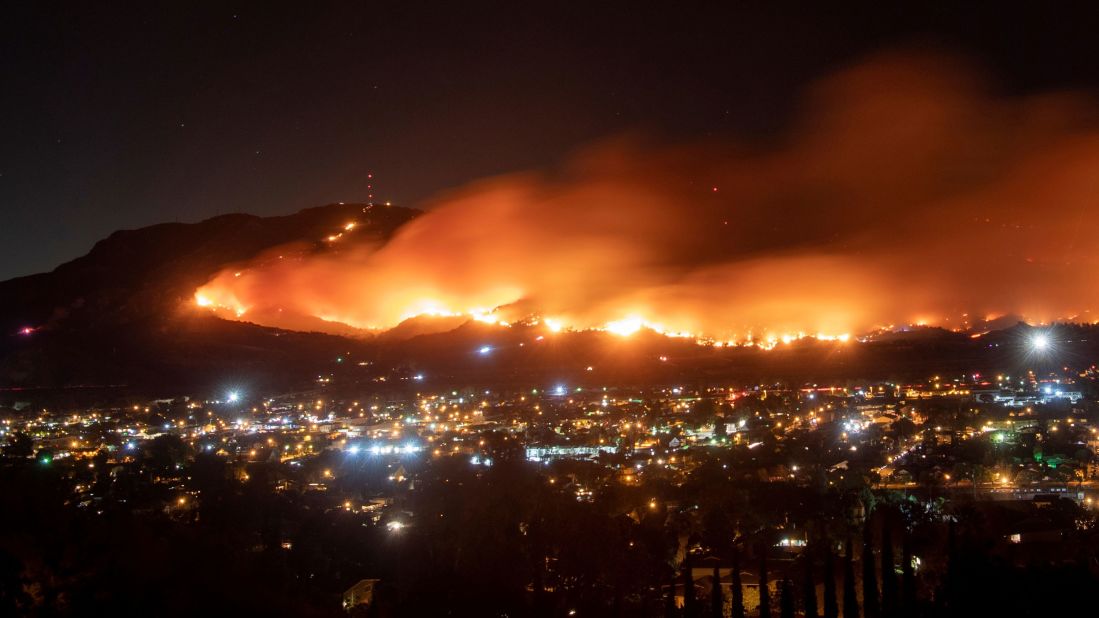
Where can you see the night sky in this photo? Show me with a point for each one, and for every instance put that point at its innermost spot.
(122, 117)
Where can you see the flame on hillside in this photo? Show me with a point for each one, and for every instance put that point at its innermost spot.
(902, 194)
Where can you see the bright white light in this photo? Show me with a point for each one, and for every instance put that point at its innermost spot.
(1040, 342)
(485, 349)
(354, 450)
(234, 397)
(394, 526)
(625, 327)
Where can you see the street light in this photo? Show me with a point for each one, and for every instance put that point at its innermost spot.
(1040, 342)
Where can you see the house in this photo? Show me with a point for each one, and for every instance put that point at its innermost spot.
(361, 593)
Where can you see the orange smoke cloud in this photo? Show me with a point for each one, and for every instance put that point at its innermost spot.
(903, 193)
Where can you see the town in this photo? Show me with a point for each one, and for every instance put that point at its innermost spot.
(697, 485)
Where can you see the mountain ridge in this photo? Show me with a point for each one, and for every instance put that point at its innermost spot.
(123, 314)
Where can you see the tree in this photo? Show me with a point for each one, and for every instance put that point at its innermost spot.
(890, 597)
(764, 590)
(738, 591)
(717, 601)
(690, 609)
(908, 577)
(850, 592)
(166, 452)
(831, 606)
(786, 599)
(669, 600)
(20, 446)
(870, 604)
(717, 531)
(809, 589)
(953, 572)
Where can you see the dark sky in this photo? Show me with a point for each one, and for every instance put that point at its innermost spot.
(123, 117)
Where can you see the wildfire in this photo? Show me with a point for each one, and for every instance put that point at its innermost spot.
(625, 327)
(923, 203)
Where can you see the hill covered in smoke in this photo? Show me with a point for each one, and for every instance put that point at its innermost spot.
(905, 192)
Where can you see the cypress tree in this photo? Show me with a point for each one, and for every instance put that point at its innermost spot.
(669, 601)
(809, 589)
(908, 578)
(870, 606)
(689, 605)
(764, 590)
(786, 599)
(738, 591)
(890, 597)
(717, 602)
(850, 592)
(953, 574)
(831, 606)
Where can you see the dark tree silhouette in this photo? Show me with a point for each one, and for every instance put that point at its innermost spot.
(850, 592)
(870, 604)
(690, 604)
(764, 591)
(669, 600)
(953, 575)
(717, 601)
(786, 599)
(738, 591)
(831, 606)
(809, 589)
(890, 595)
(908, 578)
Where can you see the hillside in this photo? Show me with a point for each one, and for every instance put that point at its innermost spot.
(119, 315)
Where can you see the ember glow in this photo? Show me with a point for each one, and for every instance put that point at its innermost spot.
(904, 194)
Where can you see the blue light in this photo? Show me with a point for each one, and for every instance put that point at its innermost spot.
(354, 450)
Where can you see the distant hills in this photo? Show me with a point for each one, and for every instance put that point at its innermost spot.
(120, 317)
(115, 315)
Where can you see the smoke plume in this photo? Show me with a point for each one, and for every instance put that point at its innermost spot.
(904, 192)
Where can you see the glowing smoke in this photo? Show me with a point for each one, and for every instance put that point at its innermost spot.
(902, 194)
